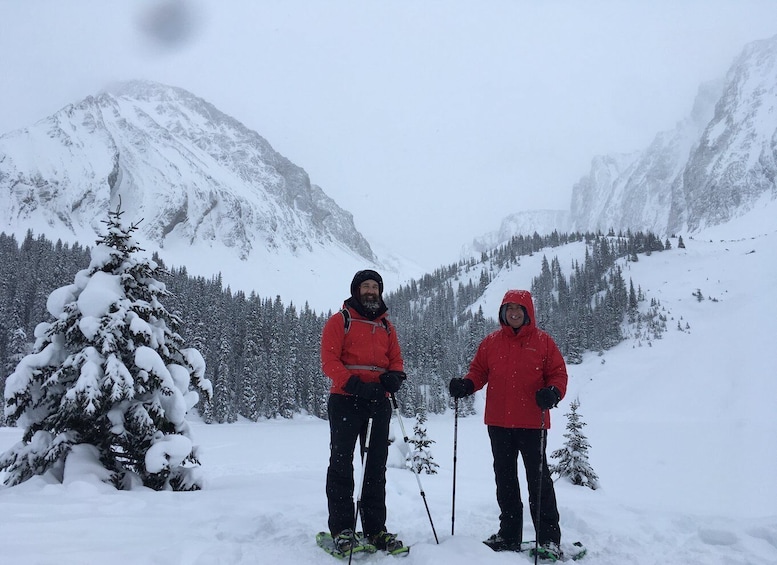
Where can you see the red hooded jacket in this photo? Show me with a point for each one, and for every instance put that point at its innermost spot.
(515, 366)
(367, 344)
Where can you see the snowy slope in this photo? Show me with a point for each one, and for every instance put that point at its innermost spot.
(682, 433)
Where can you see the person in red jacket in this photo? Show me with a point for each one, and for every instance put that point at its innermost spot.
(360, 353)
(526, 376)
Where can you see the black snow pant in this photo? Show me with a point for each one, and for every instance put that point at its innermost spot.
(506, 445)
(348, 418)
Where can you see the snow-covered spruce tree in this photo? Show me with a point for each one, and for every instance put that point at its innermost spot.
(108, 383)
(573, 457)
(420, 459)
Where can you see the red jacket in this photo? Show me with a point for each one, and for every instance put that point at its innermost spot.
(367, 344)
(516, 366)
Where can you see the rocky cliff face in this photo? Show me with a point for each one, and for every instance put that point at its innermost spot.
(735, 161)
(715, 165)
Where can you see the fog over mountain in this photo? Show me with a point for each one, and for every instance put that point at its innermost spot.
(715, 165)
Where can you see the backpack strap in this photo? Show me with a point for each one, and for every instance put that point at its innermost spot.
(347, 321)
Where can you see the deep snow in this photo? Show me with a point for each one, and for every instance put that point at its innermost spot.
(683, 435)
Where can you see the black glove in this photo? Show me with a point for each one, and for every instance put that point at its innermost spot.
(368, 391)
(547, 397)
(392, 380)
(459, 388)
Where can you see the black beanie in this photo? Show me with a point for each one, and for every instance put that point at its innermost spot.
(366, 275)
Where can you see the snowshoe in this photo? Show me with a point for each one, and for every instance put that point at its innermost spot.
(576, 552)
(344, 544)
(389, 543)
(567, 552)
(549, 551)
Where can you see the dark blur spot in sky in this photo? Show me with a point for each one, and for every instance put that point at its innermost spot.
(169, 24)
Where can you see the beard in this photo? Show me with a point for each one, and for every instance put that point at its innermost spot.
(370, 302)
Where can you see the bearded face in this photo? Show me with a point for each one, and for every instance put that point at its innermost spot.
(369, 295)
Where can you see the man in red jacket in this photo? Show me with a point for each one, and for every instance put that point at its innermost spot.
(526, 376)
(360, 353)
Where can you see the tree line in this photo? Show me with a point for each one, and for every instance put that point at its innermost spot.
(262, 354)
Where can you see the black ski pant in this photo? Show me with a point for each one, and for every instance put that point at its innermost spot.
(348, 418)
(506, 445)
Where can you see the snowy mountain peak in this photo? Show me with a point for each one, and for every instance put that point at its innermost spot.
(204, 185)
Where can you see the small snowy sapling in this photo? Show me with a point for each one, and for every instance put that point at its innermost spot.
(420, 458)
(573, 457)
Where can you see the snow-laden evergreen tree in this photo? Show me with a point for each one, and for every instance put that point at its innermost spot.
(420, 458)
(573, 457)
(108, 383)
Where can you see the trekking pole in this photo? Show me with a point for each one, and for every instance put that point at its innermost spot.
(361, 487)
(455, 447)
(415, 471)
(537, 511)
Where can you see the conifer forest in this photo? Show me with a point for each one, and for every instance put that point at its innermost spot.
(262, 354)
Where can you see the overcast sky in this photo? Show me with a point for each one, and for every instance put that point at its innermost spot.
(428, 120)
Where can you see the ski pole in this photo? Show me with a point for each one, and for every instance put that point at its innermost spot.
(537, 511)
(415, 471)
(361, 487)
(455, 447)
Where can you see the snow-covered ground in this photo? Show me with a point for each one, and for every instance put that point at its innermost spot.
(683, 435)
